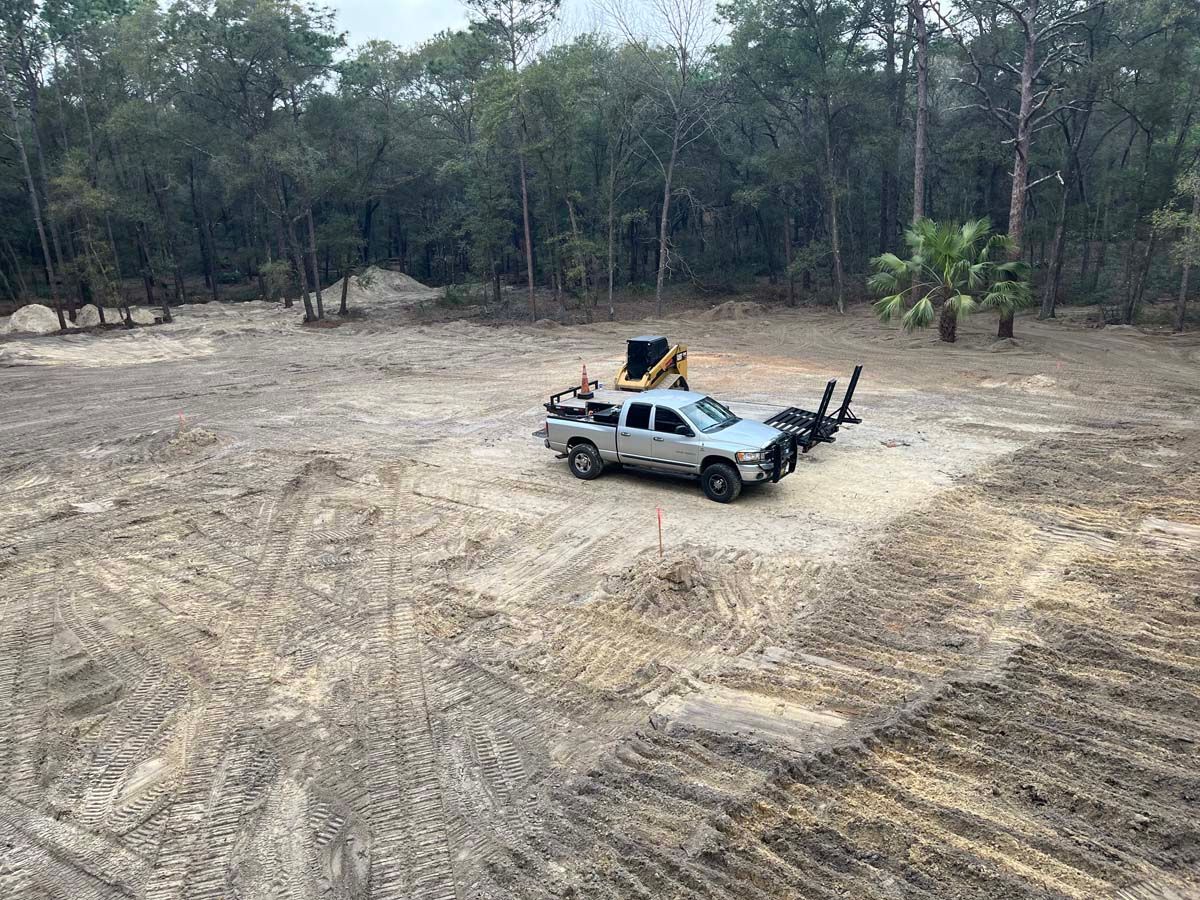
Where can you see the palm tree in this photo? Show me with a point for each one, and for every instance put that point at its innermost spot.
(950, 267)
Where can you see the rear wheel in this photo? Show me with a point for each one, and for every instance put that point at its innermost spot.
(721, 483)
(585, 462)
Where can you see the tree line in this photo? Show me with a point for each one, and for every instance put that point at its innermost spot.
(240, 148)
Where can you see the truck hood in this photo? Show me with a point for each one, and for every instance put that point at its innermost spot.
(745, 434)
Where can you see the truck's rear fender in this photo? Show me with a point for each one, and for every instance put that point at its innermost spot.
(565, 434)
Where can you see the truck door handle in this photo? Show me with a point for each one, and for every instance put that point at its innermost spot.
(658, 439)
(624, 434)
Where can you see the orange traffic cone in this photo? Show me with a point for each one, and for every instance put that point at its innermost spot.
(585, 391)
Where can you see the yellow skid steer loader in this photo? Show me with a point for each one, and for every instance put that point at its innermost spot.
(650, 362)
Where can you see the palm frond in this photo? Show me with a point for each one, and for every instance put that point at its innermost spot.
(890, 262)
(888, 308)
(919, 316)
(1007, 296)
(973, 232)
(962, 304)
(883, 283)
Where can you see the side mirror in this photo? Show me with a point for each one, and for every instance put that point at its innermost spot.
(684, 430)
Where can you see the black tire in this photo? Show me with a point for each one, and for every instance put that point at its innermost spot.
(584, 461)
(721, 483)
(680, 385)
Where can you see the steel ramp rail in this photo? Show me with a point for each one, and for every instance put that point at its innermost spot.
(819, 425)
(808, 428)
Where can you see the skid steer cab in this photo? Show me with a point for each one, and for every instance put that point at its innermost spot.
(650, 363)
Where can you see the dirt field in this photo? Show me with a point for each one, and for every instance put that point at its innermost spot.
(308, 613)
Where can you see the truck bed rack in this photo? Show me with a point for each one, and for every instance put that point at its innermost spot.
(555, 405)
(812, 428)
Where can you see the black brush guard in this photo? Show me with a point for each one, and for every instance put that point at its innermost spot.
(783, 457)
(811, 428)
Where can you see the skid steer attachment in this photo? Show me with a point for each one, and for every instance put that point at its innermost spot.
(812, 428)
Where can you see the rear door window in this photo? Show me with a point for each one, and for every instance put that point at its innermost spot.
(666, 420)
(638, 416)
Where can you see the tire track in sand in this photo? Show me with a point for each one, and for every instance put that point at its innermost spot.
(219, 775)
(410, 848)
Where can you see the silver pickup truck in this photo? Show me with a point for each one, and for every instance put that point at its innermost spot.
(672, 431)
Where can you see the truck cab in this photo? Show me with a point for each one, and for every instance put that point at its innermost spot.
(673, 431)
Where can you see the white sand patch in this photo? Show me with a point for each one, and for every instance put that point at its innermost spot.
(132, 348)
(32, 319)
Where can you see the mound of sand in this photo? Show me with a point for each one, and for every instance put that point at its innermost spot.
(89, 316)
(33, 319)
(186, 440)
(546, 324)
(734, 310)
(1003, 344)
(383, 284)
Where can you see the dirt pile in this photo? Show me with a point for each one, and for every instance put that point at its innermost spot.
(734, 310)
(378, 286)
(187, 439)
(32, 319)
(88, 316)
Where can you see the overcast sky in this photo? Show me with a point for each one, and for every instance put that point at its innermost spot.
(409, 22)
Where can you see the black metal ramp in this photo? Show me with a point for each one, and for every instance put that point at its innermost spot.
(812, 428)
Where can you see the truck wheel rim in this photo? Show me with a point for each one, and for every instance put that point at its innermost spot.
(718, 484)
(583, 463)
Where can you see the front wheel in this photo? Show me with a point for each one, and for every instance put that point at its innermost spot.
(680, 385)
(585, 462)
(721, 483)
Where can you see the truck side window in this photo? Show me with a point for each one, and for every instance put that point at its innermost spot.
(638, 417)
(666, 420)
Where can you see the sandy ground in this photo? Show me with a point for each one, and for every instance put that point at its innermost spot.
(305, 612)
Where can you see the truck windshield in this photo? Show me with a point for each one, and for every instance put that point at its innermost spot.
(708, 415)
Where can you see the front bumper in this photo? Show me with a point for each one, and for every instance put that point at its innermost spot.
(780, 465)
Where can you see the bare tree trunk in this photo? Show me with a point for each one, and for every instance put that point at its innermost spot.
(665, 221)
(55, 243)
(343, 310)
(889, 186)
(584, 263)
(168, 236)
(920, 147)
(1024, 138)
(612, 181)
(206, 260)
(22, 285)
(312, 253)
(1181, 306)
(293, 251)
(34, 202)
(1057, 251)
(1102, 253)
(8, 288)
(788, 254)
(1139, 287)
(528, 238)
(835, 244)
(148, 278)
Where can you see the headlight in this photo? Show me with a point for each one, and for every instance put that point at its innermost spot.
(752, 456)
